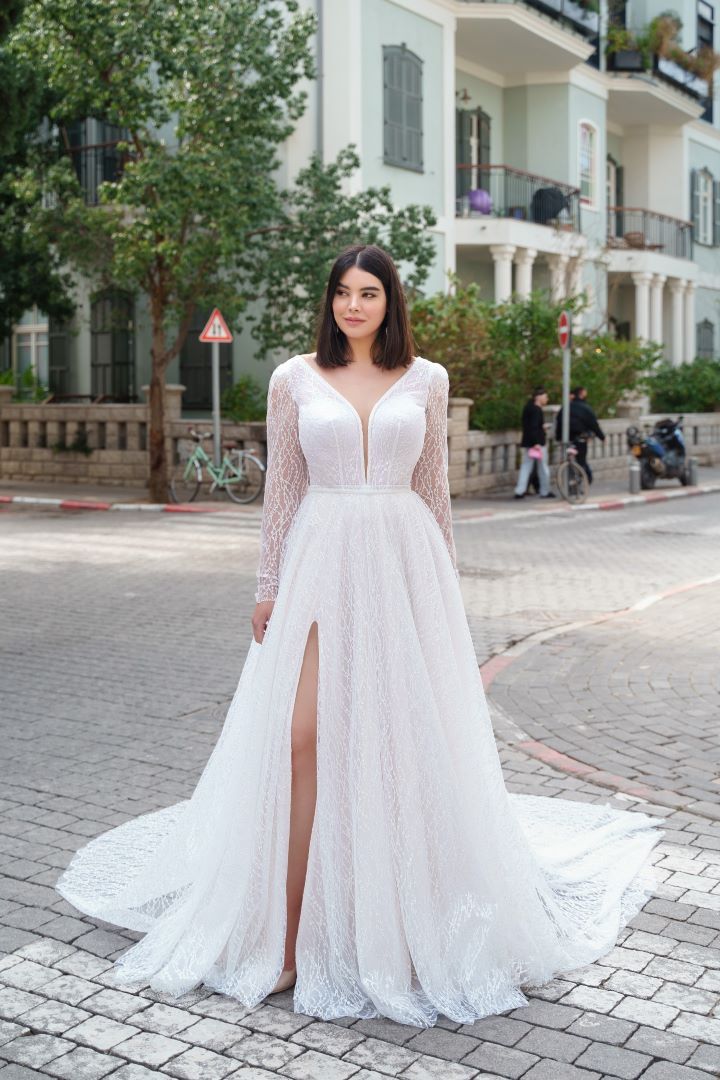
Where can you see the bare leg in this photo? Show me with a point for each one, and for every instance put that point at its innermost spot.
(304, 788)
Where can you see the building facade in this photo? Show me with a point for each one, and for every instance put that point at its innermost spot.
(557, 149)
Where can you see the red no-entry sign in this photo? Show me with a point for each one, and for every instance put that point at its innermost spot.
(564, 331)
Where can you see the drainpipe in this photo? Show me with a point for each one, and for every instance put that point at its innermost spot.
(319, 141)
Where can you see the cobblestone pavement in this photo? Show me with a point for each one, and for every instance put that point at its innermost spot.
(121, 644)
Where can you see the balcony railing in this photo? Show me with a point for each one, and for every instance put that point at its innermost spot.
(95, 165)
(634, 229)
(576, 14)
(501, 191)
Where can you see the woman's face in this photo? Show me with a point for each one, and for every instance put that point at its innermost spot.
(359, 304)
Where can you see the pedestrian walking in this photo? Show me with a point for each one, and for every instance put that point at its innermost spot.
(351, 833)
(534, 440)
(583, 426)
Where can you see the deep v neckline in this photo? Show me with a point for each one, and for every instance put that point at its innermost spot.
(365, 468)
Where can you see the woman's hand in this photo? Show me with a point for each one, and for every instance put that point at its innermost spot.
(260, 618)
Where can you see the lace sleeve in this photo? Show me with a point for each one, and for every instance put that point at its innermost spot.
(430, 475)
(286, 482)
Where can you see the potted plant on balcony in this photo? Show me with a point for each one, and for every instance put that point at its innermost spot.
(625, 50)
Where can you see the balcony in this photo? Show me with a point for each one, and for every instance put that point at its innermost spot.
(633, 229)
(517, 37)
(499, 191)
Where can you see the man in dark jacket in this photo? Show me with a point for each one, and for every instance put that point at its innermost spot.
(534, 445)
(583, 425)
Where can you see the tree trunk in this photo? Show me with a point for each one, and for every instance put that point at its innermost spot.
(159, 491)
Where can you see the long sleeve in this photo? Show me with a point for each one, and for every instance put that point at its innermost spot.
(286, 482)
(430, 475)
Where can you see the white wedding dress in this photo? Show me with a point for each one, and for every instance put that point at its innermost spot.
(430, 890)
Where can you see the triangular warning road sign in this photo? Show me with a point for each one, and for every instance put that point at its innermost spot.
(216, 329)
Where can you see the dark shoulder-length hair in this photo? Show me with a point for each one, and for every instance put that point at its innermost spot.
(393, 345)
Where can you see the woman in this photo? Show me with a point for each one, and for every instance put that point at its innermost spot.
(351, 832)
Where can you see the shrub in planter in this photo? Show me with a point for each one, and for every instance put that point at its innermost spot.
(693, 387)
(245, 400)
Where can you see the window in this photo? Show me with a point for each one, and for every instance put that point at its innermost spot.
(706, 339)
(472, 148)
(588, 163)
(30, 347)
(402, 107)
(196, 369)
(705, 207)
(92, 145)
(112, 346)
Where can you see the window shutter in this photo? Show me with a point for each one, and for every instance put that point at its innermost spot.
(695, 202)
(392, 107)
(412, 93)
(402, 107)
(716, 213)
(463, 127)
(484, 123)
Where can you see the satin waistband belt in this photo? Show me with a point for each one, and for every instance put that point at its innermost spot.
(359, 489)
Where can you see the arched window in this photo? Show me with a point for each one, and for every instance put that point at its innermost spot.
(588, 163)
(112, 346)
(402, 108)
(704, 198)
(706, 339)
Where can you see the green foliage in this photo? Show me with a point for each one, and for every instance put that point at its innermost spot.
(496, 353)
(245, 400)
(29, 387)
(7, 377)
(691, 387)
(290, 263)
(79, 445)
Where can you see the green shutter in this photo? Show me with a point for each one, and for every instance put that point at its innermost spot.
(716, 213)
(695, 201)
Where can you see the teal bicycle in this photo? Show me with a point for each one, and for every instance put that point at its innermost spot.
(241, 475)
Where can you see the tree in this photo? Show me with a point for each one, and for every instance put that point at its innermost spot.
(204, 94)
(29, 272)
(292, 259)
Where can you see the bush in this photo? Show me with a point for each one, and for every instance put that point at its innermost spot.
(245, 400)
(496, 353)
(691, 387)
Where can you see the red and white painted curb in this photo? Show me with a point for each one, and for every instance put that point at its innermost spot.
(89, 504)
(519, 740)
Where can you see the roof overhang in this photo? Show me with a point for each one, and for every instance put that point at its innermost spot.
(512, 40)
(636, 100)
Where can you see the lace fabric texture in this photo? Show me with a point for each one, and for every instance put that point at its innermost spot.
(430, 890)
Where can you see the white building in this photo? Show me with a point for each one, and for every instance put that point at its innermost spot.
(544, 167)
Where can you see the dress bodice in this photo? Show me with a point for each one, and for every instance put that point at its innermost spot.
(315, 438)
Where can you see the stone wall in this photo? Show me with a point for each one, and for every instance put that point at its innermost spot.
(30, 437)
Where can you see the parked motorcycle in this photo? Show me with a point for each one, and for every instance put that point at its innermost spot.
(661, 454)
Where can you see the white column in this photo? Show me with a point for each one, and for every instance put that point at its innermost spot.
(557, 264)
(677, 288)
(656, 308)
(642, 305)
(502, 257)
(524, 259)
(690, 343)
(575, 287)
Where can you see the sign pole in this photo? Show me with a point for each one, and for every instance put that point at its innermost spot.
(565, 342)
(217, 453)
(215, 332)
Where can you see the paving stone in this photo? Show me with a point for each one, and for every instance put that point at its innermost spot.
(600, 1028)
(213, 1034)
(661, 1044)
(83, 964)
(9, 1031)
(115, 1004)
(264, 1051)
(101, 1033)
(220, 1007)
(650, 1013)
(547, 1014)
(314, 1066)
(164, 1019)
(558, 1045)
(634, 983)
(82, 1064)
(35, 1050)
(443, 1044)
(592, 998)
(651, 943)
(702, 1028)
(499, 1029)
(327, 1038)
(102, 942)
(46, 952)
(661, 1070)
(147, 1048)
(19, 1072)
(687, 998)
(274, 1021)
(614, 1060)
(706, 1057)
(14, 1002)
(28, 975)
(139, 1072)
(70, 989)
(201, 1064)
(504, 1060)
(383, 1056)
(379, 1027)
(427, 1068)
(555, 1070)
(54, 1017)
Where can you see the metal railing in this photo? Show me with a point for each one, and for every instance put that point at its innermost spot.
(577, 14)
(502, 191)
(632, 228)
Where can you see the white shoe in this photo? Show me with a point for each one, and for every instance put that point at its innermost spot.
(287, 979)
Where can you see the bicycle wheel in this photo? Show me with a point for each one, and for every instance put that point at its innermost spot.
(244, 476)
(572, 482)
(186, 481)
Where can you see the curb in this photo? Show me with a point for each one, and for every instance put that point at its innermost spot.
(87, 504)
(556, 759)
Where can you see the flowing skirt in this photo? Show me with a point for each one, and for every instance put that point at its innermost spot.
(430, 889)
